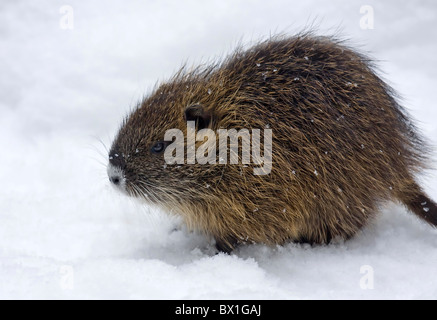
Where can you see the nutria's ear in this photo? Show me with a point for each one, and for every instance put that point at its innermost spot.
(197, 112)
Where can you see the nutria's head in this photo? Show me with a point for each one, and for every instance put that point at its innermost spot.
(137, 164)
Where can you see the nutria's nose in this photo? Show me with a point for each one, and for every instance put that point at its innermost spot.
(115, 179)
(116, 168)
(116, 176)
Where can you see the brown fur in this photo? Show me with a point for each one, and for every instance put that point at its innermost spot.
(341, 145)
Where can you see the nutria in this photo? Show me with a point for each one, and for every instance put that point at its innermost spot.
(342, 144)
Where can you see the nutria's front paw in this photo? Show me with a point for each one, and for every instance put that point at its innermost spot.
(225, 246)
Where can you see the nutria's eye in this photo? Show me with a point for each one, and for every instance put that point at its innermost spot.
(159, 147)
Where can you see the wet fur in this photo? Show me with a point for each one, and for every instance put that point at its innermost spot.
(341, 145)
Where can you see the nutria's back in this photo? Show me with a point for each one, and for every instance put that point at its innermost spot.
(341, 144)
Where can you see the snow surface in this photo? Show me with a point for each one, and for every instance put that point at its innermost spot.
(64, 233)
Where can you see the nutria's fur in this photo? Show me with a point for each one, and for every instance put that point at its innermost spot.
(341, 145)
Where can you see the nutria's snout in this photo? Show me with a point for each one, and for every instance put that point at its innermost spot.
(115, 170)
(114, 178)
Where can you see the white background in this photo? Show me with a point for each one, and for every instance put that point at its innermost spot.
(64, 233)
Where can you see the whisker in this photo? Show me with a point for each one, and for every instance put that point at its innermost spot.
(104, 145)
(98, 161)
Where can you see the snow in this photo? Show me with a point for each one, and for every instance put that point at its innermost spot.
(66, 234)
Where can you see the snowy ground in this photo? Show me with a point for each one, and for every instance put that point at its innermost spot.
(64, 233)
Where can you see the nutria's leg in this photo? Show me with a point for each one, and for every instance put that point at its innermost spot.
(226, 245)
(322, 237)
(312, 242)
(303, 240)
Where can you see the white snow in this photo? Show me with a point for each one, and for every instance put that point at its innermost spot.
(65, 233)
